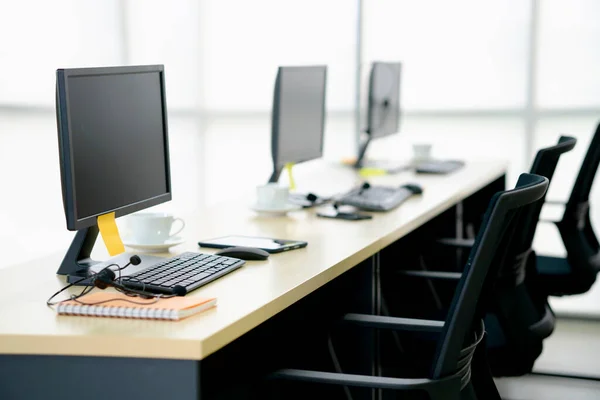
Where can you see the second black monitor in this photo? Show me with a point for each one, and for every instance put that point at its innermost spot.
(298, 118)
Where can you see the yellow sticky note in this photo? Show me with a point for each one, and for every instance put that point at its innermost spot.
(110, 234)
(288, 167)
(372, 171)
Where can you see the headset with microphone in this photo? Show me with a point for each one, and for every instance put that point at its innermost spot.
(105, 278)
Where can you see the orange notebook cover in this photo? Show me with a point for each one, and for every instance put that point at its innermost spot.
(118, 305)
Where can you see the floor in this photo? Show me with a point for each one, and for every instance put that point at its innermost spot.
(574, 349)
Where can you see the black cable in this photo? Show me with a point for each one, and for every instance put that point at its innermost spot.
(117, 284)
(152, 301)
(83, 292)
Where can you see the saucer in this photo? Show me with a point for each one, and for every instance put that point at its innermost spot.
(154, 247)
(275, 212)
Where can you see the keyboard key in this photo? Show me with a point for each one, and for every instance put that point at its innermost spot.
(199, 277)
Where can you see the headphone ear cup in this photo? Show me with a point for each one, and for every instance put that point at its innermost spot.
(104, 279)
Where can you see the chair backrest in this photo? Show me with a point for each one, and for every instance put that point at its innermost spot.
(576, 228)
(472, 294)
(544, 164)
(515, 309)
(583, 184)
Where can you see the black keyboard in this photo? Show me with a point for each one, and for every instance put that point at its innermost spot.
(182, 274)
(438, 167)
(376, 198)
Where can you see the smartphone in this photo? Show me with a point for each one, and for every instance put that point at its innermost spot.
(349, 216)
(267, 244)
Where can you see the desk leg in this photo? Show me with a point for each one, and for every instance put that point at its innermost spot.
(97, 378)
(376, 278)
(372, 305)
(361, 343)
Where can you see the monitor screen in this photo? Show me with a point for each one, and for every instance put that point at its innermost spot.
(298, 114)
(112, 123)
(383, 115)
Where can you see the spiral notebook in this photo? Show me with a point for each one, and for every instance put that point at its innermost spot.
(118, 305)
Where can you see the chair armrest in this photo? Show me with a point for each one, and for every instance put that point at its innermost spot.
(452, 276)
(449, 385)
(398, 324)
(454, 242)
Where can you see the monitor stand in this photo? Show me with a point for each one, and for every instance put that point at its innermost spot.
(78, 264)
(388, 166)
(304, 200)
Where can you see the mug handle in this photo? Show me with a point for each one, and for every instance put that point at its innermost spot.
(180, 229)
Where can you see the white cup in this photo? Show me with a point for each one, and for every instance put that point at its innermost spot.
(272, 196)
(421, 151)
(153, 228)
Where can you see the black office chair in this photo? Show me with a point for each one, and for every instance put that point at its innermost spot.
(459, 369)
(577, 272)
(516, 320)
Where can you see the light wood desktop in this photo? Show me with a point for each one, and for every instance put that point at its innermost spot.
(246, 297)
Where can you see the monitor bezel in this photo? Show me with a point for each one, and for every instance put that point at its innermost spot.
(66, 151)
(372, 131)
(275, 117)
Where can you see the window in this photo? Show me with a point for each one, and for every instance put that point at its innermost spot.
(462, 54)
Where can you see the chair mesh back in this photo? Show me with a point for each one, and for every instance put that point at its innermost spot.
(544, 164)
(486, 257)
(587, 173)
(575, 227)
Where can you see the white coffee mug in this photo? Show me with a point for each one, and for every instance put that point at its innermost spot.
(272, 196)
(421, 151)
(153, 228)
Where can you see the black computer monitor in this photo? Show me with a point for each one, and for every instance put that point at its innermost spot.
(298, 116)
(113, 148)
(383, 109)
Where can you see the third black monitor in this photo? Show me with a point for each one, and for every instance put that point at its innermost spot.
(383, 114)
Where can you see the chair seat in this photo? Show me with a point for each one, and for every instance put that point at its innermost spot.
(555, 277)
(553, 266)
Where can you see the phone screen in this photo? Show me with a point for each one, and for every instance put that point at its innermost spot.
(246, 241)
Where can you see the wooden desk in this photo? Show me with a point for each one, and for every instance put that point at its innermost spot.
(246, 298)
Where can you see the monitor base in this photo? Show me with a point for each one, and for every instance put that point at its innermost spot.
(438, 167)
(77, 262)
(78, 265)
